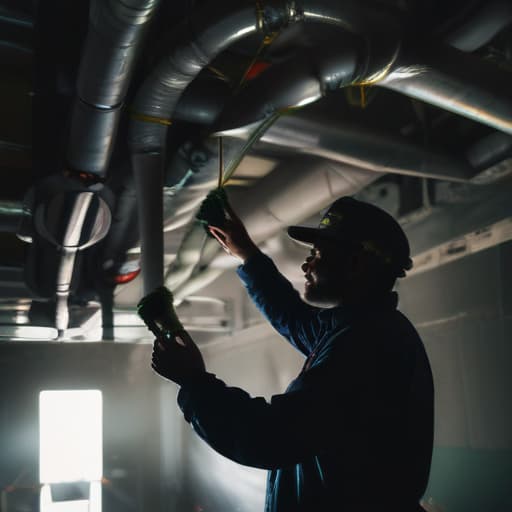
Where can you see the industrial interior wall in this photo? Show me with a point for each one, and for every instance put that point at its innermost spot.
(463, 311)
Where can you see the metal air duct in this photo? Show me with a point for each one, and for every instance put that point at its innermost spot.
(215, 28)
(455, 81)
(115, 30)
(478, 27)
(362, 148)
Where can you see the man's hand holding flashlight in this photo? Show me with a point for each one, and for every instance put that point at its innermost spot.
(177, 358)
(175, 355)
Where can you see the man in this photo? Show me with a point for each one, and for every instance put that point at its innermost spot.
(353, 432)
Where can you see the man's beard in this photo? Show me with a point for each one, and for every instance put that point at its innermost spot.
(321, 294)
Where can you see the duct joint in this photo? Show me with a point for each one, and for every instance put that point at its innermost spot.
(273, 15)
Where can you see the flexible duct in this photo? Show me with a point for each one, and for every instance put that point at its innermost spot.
(300, 81)
(209, 33)
(490, 150)
(115, 30)
(361, 148)
(457, 82)
(364, 149)
(441, 76)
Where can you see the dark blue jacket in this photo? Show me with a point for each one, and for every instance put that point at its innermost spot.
(353, 432)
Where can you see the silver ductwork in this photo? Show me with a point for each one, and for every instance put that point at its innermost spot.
(213, 30)
(115, 30)
(373, 57)
(439, 75)
(456, 82)
(362, 149)
(66, 217)
(479, 26)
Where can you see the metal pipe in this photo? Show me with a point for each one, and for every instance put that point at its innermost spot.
(364, 149)
(11, 216)
(479, 27)
(457, 82)
(218, 26)
(490, 150)
(116, 29)
(149, 185)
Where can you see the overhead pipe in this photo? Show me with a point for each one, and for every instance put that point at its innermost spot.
(489, 150)
(479, 27)
(358, 20)
(12, 215)
(454, 81)
(216, 27)
(364, 149)
(301, 80)
(439, 75)
(116, 29)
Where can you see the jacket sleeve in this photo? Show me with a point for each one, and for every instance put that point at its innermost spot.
(319, 413)
(280, 303)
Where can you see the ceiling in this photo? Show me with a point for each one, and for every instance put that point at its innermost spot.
(109, 106)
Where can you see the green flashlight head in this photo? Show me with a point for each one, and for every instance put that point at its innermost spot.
(157, 311)
(212, 209)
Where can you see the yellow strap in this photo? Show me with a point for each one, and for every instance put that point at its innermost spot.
(150, 119)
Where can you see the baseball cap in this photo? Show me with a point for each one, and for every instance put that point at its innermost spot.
(351, 220)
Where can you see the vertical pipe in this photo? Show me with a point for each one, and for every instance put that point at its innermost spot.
(148, 169)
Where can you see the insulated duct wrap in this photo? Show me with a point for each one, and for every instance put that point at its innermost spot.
(480, 26)
(303, 80)
(457, 82)
(211, 32)
(115, 30)
(364, 149)
(92, 136)
(217, 27)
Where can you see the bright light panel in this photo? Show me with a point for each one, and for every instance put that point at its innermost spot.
(70, 436)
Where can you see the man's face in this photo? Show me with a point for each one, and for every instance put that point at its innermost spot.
(325, 270)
